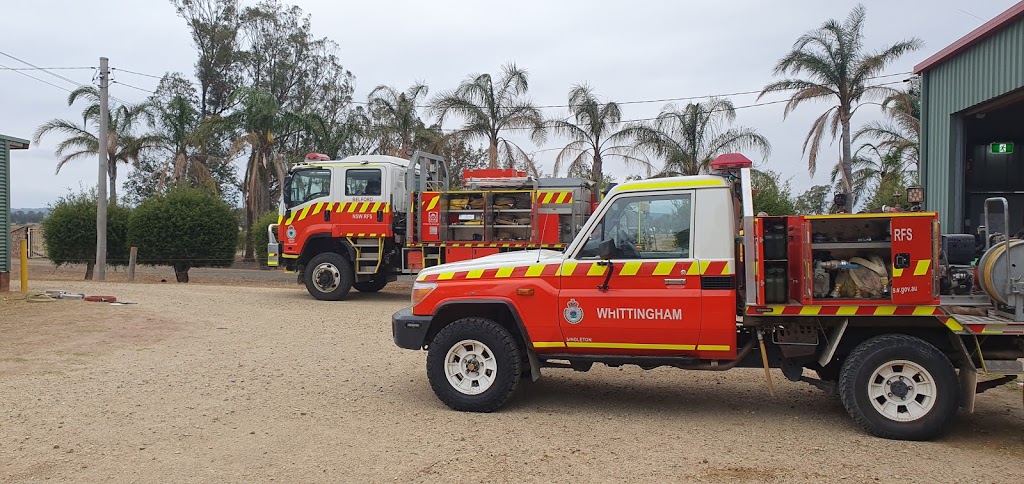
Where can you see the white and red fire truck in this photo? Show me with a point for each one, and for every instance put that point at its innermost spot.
(363, 221)
(878, 309)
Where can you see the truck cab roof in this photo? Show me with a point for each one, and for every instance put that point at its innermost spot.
(683, 182)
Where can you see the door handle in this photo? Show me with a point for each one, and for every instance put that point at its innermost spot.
(327, 215)
(380, 215)
(675, 282)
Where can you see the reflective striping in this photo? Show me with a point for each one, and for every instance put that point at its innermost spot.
(280, 218)
(475, 274)
(566, 269)
(870, 215)
(596, 270)
(954, 325)
(561, 197)
(376, 207)
(630, 268)
(444, 276)
(924, 311)
(897, 272)
(810, 310)
(713, 347)
(305, 210)
(885, 310)
(922, 267)
(663, 268)
(432, 204)
(631, 346)
(548, 344)
(317, 208)
(844, 310)
(554, 197)
(350, 207)
(535, 270)
(703, 266)
(652, 185)
(504, 272)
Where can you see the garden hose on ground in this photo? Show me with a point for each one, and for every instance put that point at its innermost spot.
(39, 297)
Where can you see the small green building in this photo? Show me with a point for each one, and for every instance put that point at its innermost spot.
(7, 144)
(972, 125)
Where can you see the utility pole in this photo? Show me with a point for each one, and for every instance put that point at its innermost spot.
(100, 272)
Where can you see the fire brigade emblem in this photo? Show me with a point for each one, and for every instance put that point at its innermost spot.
(432, 218)
(291, 233)
(573, 313)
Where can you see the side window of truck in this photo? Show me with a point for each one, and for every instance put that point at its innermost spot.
(362, 182)
(645, 227)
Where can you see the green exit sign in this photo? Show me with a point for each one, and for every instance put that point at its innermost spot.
(1001, 148)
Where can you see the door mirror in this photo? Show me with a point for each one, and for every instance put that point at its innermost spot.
(606, 250)
(286, 191)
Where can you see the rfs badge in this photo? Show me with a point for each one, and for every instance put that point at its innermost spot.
(291, 233)
(573, 313)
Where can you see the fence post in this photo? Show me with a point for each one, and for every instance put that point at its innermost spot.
(24, 265)
(133, 254)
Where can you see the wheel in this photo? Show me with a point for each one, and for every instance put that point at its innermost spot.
(474, 365)
(373, 285)
(899, 387)
(328, 276)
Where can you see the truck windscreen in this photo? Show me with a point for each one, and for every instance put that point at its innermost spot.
(306, 185)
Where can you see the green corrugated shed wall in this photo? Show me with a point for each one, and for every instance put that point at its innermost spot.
(5, 207)
(989, 69)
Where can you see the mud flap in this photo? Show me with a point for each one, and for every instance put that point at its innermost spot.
(968, 375)
(534, 365)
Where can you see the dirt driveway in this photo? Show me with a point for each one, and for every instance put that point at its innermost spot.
(214, 383)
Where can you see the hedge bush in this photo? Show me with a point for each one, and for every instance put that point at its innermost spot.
(71, 232)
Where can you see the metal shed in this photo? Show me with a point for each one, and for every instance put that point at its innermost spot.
(7, 143)
(972, 138)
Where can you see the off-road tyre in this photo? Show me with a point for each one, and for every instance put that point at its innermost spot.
(868, 363)
(343, 275)
(373, 285)
(498, 341)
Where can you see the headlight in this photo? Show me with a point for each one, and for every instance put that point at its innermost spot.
(420, 290)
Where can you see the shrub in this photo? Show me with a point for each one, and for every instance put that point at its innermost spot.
(71, 232)
(258, 232)
(184, 228)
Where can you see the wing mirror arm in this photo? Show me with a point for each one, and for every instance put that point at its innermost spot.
(606, 251)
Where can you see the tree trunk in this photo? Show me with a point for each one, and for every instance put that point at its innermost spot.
(88, 269)
(847, 162)
(597, 171)
(112, 172)
(181, 271)
(492, 153)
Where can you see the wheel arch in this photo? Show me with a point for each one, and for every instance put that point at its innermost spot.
(500, 311)
(324, 242)
(927, 328)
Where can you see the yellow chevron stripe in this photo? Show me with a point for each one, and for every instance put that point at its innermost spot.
(318, 208)
(548, 344)
(280, 219)
(922, 267)
(535, 270)
(924, 311)
(305, 211)
(387, 208)
(376, 207)
(566, 269)
(433, 203)
(504, 272)
(651, 185)
(596, 270)
(664, 268)
(846, 311)
(727, 269)
(897, 272)
(351, 208)
(885, 310)
(954, 325)
(475, 274)
(630, 268)
(547, 197)
(713, 347)
(632, 346)
(444, 276)
(810, 310)
(561, 197)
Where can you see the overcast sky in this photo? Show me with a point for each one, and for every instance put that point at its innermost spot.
(627, 51)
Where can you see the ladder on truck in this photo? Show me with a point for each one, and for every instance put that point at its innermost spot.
(369, 252)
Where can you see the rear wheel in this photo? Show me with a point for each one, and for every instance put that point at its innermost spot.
(373, 285)
(899, 387)
(474, 365)
(328, 276)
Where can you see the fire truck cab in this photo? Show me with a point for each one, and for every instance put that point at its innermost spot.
(679, 272)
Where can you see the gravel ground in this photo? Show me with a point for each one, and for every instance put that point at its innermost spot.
(215, 383)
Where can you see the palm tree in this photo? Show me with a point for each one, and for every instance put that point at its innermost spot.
(901, 131)
(830, 63)
(123, 146)
(258, 117)
(690, 138)
(490, 107)
(183, 142)
(395, 116)
(594, 136)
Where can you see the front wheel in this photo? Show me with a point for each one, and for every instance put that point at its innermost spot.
(899, 387)
(474, 365)
(328, 276)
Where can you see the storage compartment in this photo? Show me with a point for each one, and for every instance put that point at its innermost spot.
(464, 215)
(511, 216)
(851, 259)
(776, 263)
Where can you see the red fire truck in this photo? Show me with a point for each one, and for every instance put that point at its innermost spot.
(363, 221)
(878, 309)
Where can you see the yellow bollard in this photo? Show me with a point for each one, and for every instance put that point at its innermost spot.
(24, 266)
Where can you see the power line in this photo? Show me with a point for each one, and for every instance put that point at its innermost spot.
(126, 71)
(131, 86)
(58, 76)
(18, 71)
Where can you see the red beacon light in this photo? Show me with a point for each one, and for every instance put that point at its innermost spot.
(317, 157)
(730, 162)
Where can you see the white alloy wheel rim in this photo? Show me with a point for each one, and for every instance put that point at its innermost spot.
(902, 391)
(326, 277)
(470, 367)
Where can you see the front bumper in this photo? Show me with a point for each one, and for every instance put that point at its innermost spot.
(409, 330)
